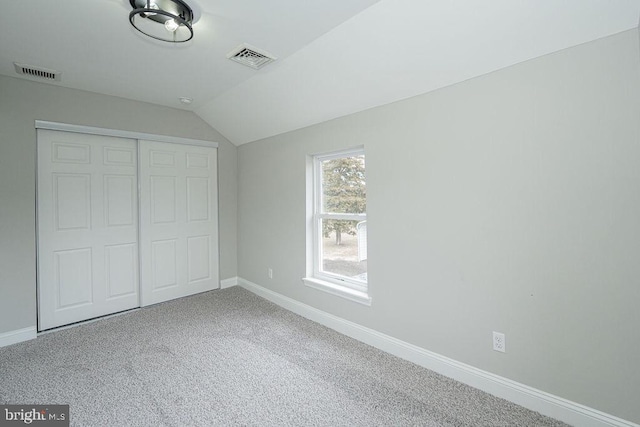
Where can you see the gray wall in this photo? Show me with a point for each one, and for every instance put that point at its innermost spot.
(21, 103)
(509, 202)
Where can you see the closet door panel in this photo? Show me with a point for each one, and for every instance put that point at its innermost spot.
(178, 220)
(87, 227)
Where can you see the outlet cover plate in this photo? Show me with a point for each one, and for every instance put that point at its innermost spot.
(499, 343)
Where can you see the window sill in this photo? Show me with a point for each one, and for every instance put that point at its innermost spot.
(341, 291)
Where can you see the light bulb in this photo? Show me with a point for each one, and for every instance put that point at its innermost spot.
(171, 25)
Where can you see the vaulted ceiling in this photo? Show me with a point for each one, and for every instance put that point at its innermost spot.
(335, 57)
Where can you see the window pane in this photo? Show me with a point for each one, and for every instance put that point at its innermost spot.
(343, 185)
(344, 248)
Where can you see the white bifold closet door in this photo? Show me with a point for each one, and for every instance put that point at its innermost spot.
(179, 220)
(87, 227)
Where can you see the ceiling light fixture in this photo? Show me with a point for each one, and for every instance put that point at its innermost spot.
(175, 17)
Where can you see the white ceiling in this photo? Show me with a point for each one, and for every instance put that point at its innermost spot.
(336, 57)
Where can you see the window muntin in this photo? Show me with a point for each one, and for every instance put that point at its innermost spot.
(339, 229)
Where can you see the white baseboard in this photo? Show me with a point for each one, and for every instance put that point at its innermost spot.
(19, 335)
(227, 283)
(529, 397)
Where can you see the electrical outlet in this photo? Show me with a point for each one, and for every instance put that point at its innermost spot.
(499, 343)
(270, 273)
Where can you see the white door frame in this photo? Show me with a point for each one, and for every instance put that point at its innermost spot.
(90, 130)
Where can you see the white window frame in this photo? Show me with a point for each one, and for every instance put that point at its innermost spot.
(346, 287)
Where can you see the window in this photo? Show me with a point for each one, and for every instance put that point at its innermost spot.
(337, 235)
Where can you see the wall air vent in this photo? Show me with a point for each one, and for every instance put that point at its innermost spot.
(37, 72)
(251, 56)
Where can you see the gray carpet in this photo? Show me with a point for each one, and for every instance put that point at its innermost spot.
(230, 358)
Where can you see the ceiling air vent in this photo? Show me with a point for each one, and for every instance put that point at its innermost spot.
(37, 72)
(251, 56)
